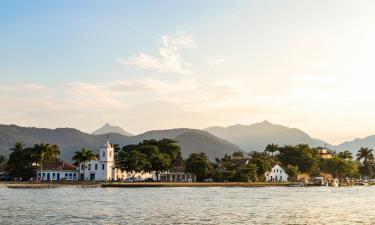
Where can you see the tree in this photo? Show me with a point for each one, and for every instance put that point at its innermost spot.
(300, 155)
(3, 161)
(83, 156)
(159, 162)
(45, 153)
(272, 148)
(365, 154)
(246, 173)
(166, 146)
(20, 162)
(340, 167)
(198, 164)
(292, 171)
(238, 154)
(133, 162)
(263, 165)
(345, 155)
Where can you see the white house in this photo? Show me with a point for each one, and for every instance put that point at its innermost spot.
(57, 171)
(277, 174)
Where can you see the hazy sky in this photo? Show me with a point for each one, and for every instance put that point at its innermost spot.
(163, 64)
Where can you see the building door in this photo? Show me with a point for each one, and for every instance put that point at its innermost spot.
(92, 176)
(82, 176)
(58, 176)
(48, 176)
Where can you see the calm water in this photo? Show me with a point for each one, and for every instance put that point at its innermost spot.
(271, 205)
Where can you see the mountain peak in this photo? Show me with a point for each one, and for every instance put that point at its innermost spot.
(266, 122)
(108, 128)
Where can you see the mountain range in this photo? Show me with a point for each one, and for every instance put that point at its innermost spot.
(255, 137)
(71, 140)
(214, 141)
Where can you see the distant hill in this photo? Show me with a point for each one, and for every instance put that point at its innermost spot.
(356, 144)
(255, 137)
(71, 140)
(107, 128)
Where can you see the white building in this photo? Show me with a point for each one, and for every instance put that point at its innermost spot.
(58, 171)
(277, 174)
(102, 169)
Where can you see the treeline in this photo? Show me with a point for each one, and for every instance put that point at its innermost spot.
(298, 159)
(23, 160)
(155, 156)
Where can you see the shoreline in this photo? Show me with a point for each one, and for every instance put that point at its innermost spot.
(33, 185)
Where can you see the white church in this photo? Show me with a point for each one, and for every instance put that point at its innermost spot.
(103, 169)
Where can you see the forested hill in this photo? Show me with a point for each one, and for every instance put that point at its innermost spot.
(71, 140)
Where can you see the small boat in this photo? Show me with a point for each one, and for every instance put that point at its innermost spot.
(334, 183)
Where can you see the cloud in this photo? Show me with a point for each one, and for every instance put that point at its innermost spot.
(216, 62)
(169, 59)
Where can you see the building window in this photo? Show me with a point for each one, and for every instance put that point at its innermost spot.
(82, 166)
(66, 175)
(96, 166)
(103, 154)
(102, 166)
(89, 168)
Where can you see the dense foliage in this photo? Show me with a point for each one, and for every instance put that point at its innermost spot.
(149, 156)
(23, 160)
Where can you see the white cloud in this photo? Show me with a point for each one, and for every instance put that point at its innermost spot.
(169, 59)
(217, 61)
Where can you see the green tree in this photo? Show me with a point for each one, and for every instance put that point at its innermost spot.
(160, 162)
(345, 155)
(3, 162)
(272, 148)
(263, 165)
(292, 171)
(300, 155)
(199, 164)
(20, 162)
(238, 154)
(339, 167)
(133, 162)
(365, 154)
(245, 173)
(83, 156)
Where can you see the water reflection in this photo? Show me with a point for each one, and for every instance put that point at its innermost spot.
(272, 205)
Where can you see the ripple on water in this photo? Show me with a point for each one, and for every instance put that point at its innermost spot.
(217, 205)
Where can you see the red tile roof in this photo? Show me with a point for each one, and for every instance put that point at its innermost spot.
(58, 166)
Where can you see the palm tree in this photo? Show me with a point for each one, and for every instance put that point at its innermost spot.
(83, 156)
(2, 161)
(272, 148)
(365, 154)
(40, 150)
(345, 155)
(19, 146)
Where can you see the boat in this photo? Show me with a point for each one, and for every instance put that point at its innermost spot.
(334, 183)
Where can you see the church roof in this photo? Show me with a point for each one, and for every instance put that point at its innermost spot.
(58, 166)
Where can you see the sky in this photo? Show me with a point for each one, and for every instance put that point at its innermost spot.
(146, 65)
